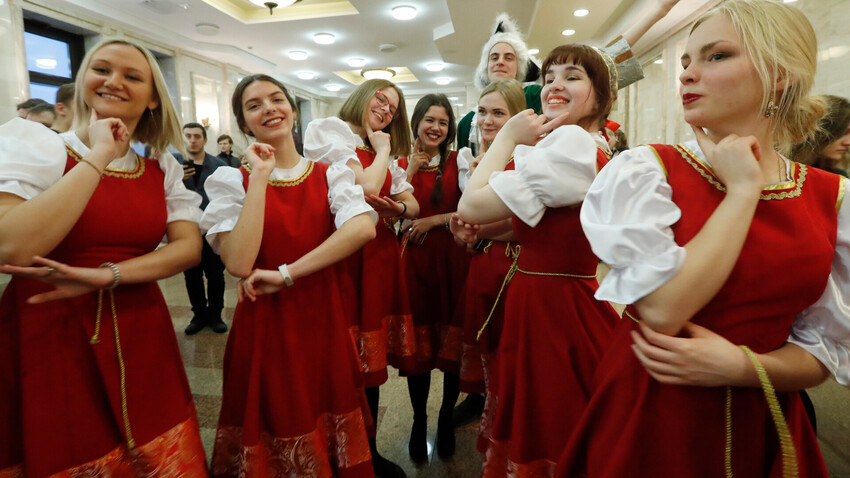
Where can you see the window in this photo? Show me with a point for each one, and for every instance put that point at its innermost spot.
(53, 57)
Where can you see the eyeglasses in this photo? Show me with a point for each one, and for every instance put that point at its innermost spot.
(384, 101)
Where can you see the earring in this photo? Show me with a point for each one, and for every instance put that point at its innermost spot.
(771, 109)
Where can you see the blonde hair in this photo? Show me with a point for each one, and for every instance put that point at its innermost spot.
(355, 107)
(158, 128)
(781, 43)
(511, 90)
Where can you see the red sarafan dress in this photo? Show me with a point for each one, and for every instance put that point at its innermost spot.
(554, 330)
(481, 301)
(381, 322)
(435, 271)
(94, 385)
(636, 426)
(293, 402)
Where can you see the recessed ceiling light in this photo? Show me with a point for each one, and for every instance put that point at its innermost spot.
(377, 73)
(404, 12)
(356, 62)
(658, 61)
(207, 29)
(453, 98)
(324, 38)
(436, 66)
(333, 87)
(568, 32)
(533, 51)
(306, 75)
(443, 81)
(46, 63)
(581, 12)
(297, 55)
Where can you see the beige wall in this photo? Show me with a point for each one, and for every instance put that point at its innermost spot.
(651, 111)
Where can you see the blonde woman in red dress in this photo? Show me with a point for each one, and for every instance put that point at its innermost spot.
(371, 127)
(293, 402)
(91, 381)
(726, 248)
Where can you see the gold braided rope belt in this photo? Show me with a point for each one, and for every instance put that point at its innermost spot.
(515, 251)
(789, 455)
(95, 339)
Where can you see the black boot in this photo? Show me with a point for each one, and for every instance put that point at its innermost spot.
(469, 410)
(198, 322)
(215, 323)
(418, 387)
(445, 427)
(383, 468)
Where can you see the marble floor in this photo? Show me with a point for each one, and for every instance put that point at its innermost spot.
(203, 355)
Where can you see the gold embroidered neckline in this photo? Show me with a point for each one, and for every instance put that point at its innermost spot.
(115, 173)
(288, 182)
(789, 189)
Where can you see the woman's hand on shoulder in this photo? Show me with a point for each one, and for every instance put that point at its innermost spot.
(528, 128)
(260, 282)
(260, 157)
(68, 281)
(735, 160)
(107, 135)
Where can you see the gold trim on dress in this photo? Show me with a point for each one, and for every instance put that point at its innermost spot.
(115, 173)
(364, 148)
(705, 171)
(840, 198)
(660, 161)
(288, 182)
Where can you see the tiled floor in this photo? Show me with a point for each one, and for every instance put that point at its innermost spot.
(203, 354)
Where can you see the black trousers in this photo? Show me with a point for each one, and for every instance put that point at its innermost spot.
(206, 304)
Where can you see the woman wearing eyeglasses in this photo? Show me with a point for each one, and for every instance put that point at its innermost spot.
(371, 126)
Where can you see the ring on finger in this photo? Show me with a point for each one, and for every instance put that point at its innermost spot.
(51, 270)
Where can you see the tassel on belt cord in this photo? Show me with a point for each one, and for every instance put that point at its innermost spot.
(131, 443)
(786, 443)
(514, 252)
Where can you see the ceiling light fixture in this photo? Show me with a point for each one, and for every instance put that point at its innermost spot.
(443, 81)
(453, 98)
(436, 66)
(333, 87)
(297, 55)
(272, 5)
(377, 73)
(658, 61)
(534, 51)
(581, 12)
(356, 62)
(46, 63)
(207, 29)
(324, 38)
(404, 12)
(306, 75)
(568, 32)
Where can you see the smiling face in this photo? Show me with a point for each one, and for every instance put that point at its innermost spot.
(267, 112)
(434, 128)
(568, 88)
(721, 90)
(118, 83)
(493, 113)
(502, 62)
(382, 109)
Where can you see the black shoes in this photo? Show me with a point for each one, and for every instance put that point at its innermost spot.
(445, 435)
(217, 325)
(385, 468)
(195, 325)
(469, 410)
(418, 444)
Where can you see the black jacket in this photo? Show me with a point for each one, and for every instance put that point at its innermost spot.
(211, 163)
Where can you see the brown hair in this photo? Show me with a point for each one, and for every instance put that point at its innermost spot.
(419, 111)
(354, 111)
(832, 127)
(597, 70)
(236, 100)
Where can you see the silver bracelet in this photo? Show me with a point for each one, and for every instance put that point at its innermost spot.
(287, 278)
(116, 275)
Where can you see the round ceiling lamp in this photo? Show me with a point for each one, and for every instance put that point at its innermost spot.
(324, 38)
(333, 87)
(356, 62)
(436, 66)
(275, 4)
(207, 29)
(404, 12)
(443, 81)
(568, 32)
(377, 74)
(581, 12)
(306, 75)
(297, 55)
